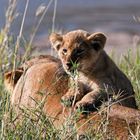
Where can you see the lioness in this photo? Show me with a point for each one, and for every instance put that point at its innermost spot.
(99, 78)
(44, 76)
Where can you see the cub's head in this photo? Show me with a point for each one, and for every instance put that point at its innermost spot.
(78, 49)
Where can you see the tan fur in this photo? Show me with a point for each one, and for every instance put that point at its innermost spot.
(46, 78)
(101, 78)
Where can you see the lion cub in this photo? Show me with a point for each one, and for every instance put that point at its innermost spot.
(98, 78)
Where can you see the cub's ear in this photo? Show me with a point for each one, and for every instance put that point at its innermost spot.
(97, 40)
(56, 40)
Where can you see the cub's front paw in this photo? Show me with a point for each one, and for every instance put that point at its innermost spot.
(85, 106)
(67, 100)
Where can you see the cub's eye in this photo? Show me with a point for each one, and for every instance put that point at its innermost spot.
(64, 51)
(57, 46)
(80, 52)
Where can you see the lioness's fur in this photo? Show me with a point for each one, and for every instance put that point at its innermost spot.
(44, 77)
(101, 79)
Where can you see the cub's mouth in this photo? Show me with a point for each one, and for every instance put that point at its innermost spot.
(71, 68)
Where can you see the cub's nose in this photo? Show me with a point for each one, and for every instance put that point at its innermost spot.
(69, 65)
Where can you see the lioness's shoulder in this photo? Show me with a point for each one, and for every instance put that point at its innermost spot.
(39, 59)
(11, 77)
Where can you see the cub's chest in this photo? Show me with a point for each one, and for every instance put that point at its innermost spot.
(88, 83)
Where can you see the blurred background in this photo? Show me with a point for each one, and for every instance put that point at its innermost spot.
(118, 19)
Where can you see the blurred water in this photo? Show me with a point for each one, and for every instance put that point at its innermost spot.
(109, 16)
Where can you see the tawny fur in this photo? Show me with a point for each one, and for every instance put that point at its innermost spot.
(101, 79)
(45, 76)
